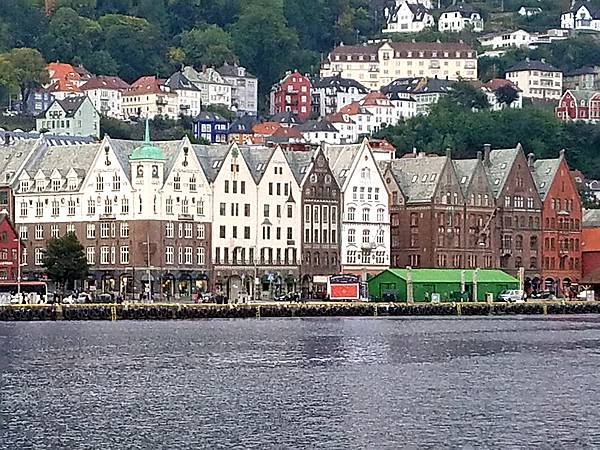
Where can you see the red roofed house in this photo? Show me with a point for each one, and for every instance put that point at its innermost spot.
(293, 94)
(106, 94)
(149, 97)
(579, 105)
(65, 80)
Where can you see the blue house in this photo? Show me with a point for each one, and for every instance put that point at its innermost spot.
(211, 127)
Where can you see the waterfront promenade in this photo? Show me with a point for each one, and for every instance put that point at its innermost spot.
(143, 311)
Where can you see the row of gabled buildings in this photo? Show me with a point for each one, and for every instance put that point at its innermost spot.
(177, 219)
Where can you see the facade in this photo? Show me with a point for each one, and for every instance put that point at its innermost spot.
(292, 94)
(347, 127)
(365, 225)
(376, 111)
(511, 39)
(561, 217)
(321, 218)
(189, 97)
(461, 16)
(211, 127)
(106, 94)
(332, 93)
(73, 116)
(408, 16)
(581, 16)
(319, 131)
(493, 86)
(149, 97)
(215, 90)
(529, 11)
(579, 106)
(240, 130)
(377, 65)
(9, 250)
(536, 79)
(416, 95)
(583, 78)
(518, 218)
(244, 88)
(39, 100)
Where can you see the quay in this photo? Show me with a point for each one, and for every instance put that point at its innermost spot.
(156, 311)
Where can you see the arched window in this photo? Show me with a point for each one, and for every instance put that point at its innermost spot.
(533, 242)
(519, 242)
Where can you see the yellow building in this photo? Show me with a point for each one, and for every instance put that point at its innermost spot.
(377, 65)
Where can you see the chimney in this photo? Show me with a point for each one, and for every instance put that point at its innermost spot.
(7, 138)
(487, 148)
(562, 154)
(448, 152)
(479, 155)
(530, 160)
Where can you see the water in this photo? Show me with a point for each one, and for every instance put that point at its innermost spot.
(301, 384)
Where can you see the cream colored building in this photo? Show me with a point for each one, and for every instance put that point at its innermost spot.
(377, 65)
(149, 97)
(537, 79)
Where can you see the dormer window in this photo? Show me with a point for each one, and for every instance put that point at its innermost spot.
(56, 185)
(72, 184)
(24, 186)
(40, 185)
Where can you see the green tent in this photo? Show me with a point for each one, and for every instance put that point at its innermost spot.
(391, 284)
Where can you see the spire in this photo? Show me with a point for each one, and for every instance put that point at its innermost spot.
(147, 132)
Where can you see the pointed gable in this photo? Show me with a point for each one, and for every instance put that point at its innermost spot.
(418, 178)
(498, 167)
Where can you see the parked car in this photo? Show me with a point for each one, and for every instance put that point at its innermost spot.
(511, 295)
(543, 295)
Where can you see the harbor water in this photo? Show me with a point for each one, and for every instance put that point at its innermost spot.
(323, 383)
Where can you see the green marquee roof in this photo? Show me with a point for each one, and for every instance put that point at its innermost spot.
(147, 150)
(453, 275)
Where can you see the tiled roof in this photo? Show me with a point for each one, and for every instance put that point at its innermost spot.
(146, 85)
(231, 70)
(418, 178)
(339, 83)
(465, 170)
(499, 166)
(266, 128)
(178, 81)
(497, 83)
(71, 104)
(13, 156)
(62, 71)
(211, 158)
(543, 175)
(103, 82)
(375, 99)
(527, 65)
(354, 108)
(285, 135)
(584, 95)
(444, 50)
(64, 85)
(587, 70)
(257, 158)
(591, 219)
(314, 126)
(242, 125)
(339, 117)
(341, 158)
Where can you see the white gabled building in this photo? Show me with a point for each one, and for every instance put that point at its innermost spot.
(347, 127)
(318, 131)
(459, 17)
(106, 94)
(581, 16)
(189, 96)
(408, 16)
(365, 227)
(517, 38)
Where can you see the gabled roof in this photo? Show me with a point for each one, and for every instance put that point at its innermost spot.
(285, 135)
(211, 158)
(103, 82)
(497, 83)
(257, 159)
(419, 11)
(208, 75)
(465, 171)
(499, 166)
(340, 84)
(584, 95)
(179, 82)
(594, 11)
(465, 9)
(416, 86)
(354, 108)
(209, 116)
(339, 117)
(70, 105)
(146, 85)
(64, 85)
(587, 70)
(266, 128)
(287, 117)
(299, 163)
(528, 64)
(233, 70)
(13, 156)
(62, 71)
(375, 99)
(454, 275)
(242, 125)
(543, 175)
(341, 159)
(317, 126)
(419, 177)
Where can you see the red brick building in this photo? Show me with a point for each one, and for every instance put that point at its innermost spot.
(9, 249)
(579, 105)
(561, 224)
(590, 249)
(293, 94)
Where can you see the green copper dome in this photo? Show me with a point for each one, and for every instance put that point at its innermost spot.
(147, 150)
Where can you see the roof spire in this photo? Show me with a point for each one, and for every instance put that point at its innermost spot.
(147, 132)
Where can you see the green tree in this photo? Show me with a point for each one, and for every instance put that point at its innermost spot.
(82, 7)
(64, 260)
(210, 46)
(506, 94)
(28, 71)
(466, 95)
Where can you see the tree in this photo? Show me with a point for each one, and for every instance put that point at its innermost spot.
(506, 94)
(466, 95)
(211, 46)
(64, 260)
(28, 70)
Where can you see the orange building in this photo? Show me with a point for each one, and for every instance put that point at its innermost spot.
(561, 229)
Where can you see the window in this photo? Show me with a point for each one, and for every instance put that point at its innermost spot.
(266, 210)
(351, 214)
(246, 232)
(507, 201)
(234, 232)
(200, 255)
(334, 215)
(200, 231)
(23, 233)
(39, 209)
(185, 206)
(247, 210)
(380, 237)
(124, 230)
(188, 255)
(55, 208)
(179, 255)
(351, 236)
(90, 255)
(91, 231)
(104, 230)
(242, 187)
(24, 186)
(116, 185)
(193, 183)
(290, 211)
(169, 254)
(39, 232)
(24, 209)
(70, 228)
(518, 242)
(366, 213)
(104, 255)
(169, 230)
(54, 231)
(380, 215)
(108, 206)
(124, 205)
(125, 254)
(99, 183)
(222, 231)
(177, 182)
(91, 207)
(366, 235)
(200, 207)
(71, 208)
(530, 204)
(39, 256)
(351, 256)
(222, 209)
